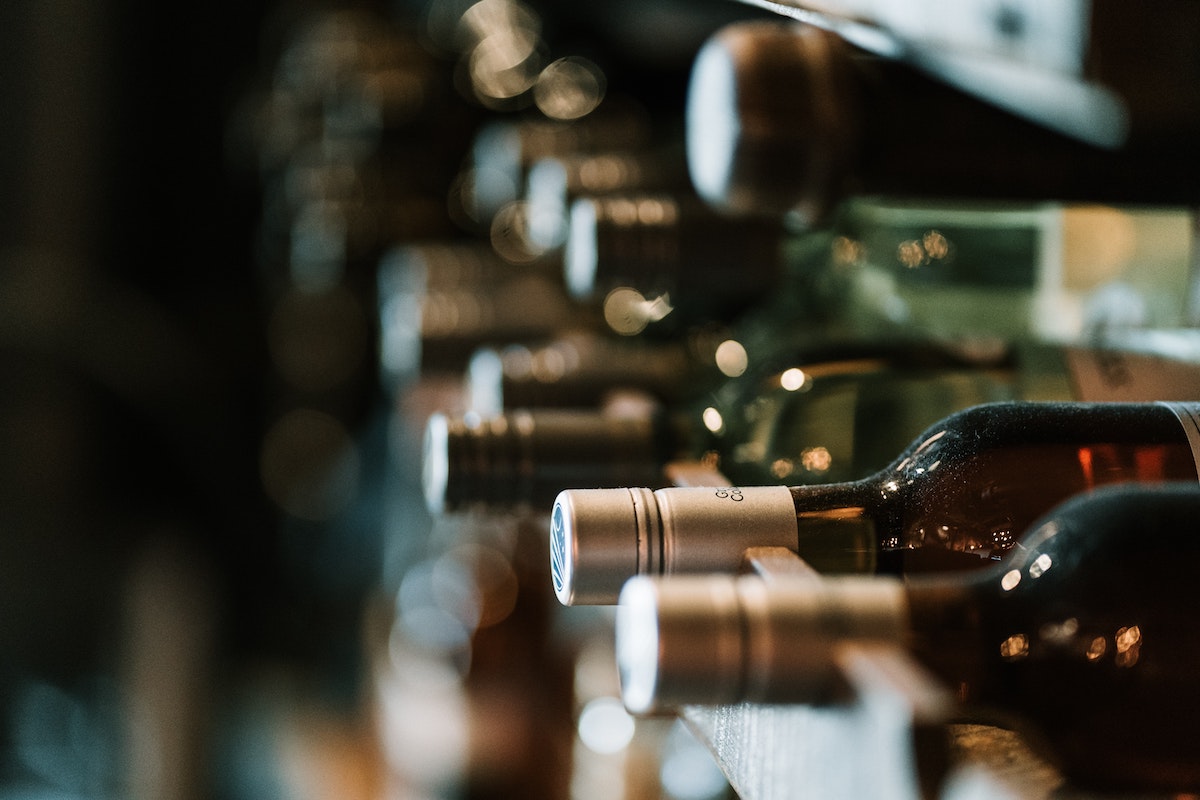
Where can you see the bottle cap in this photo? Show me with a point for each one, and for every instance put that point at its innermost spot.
(439, 303)
(600, 538)
(771, 119)
(555, 182)
(674, 245)
(527, 457)
(504, 150)
(715, 639)
(576, 369)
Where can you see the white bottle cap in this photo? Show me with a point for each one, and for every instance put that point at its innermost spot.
(600, 538)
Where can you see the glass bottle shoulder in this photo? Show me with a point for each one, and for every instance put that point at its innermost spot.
(842, 418)
(975, 483)
(1083, 633)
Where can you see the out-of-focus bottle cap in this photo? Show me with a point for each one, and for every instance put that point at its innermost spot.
(715, 639)
(578, 369)
(771, 120)
(673, 251)
(504, 150)
(525, 458)
(439, 303)
(555, 182)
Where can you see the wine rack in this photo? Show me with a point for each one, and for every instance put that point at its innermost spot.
(895, 737)
(258, 267)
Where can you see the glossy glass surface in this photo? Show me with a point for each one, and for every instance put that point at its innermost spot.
(1086, 633)
(968, 487)
(817, 421)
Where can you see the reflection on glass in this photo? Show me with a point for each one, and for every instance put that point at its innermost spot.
(569, 88)
(503, 67)
(846, 251)
(816, 459)
(628, 312)
(1011, 581)
(1129, 644)
(712, 420)
(910, 254)
(731, 358)
(500, 42)
(781, 468)
(932, 246)
(605, 726)
(1056, 271)
(510, 234)
(794, 379)
(1015, 646)
(1059, 632)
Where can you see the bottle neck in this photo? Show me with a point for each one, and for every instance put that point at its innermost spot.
(576, 370)
(837, 526)
(966, 491)
(524, 458)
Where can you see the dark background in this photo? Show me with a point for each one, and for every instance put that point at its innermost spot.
(133, 363)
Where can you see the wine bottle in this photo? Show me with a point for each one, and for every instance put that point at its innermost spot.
(792, 119)
(555, 182)
(887, 265)
(505, 149)
(1018, 271)
(829, 411)
(578, 369)
(526, 456)
(958, 497)
(707, 266)
(1082, 636)
(439, 302)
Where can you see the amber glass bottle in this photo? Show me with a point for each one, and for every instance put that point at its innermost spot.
(958, 497)
(1082, 638)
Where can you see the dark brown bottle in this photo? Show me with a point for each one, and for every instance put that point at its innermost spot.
(958, 497)
(1083, 638)
(554, 183)
(790, 118)
(705, 266)
(579, 369)
(439, 302)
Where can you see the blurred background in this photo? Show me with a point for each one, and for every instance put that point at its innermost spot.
(247, 251)
(192, 518)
